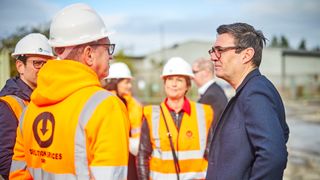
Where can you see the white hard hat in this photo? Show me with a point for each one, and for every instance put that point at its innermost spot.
(119, 70)
(34, 43)
(177, 66)
(76, 24)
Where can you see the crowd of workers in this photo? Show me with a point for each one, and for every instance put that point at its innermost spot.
(58, 122)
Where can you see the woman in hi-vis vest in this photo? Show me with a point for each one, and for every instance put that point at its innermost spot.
(174, 135)
(119, 82)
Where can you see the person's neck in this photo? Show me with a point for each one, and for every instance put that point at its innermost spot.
(176, 104)
(27, 83)
(237, 82)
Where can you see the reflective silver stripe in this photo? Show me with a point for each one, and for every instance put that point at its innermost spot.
(80, 154)
(201, 126)
(135, 131)
(40, 174)
(21, 120)
(182, 155)
(19, 100)
(187, 175)
(109, 172)
(18, 165)
(22, 106)
(155, 116)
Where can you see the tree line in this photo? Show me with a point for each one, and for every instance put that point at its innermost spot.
(283, 42)
(10, 41)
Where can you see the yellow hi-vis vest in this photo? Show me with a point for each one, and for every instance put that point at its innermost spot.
(189, 143)
(57, 142)
(16, 104)
(135, 115)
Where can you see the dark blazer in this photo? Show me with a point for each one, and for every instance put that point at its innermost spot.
(216, 98)
(249, 141)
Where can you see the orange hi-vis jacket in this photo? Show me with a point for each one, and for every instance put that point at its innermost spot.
(72, 128)
(189, 142)
(135, 111)
(16, 104)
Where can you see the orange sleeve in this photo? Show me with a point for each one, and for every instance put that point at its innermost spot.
(135, 117)
(18, 165)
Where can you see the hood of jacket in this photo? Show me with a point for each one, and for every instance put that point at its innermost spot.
(58, 79)
(15, 86)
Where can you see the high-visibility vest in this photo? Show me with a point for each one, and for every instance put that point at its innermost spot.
(15, 103)
(189, 142)
(55, 142)
(135, 112)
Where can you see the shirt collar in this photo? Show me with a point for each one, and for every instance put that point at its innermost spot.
(204, 87)
(185, 108)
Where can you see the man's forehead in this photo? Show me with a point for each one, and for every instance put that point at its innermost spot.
(223, 39)
(195, 65)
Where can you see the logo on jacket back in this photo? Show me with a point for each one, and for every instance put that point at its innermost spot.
(43, 129)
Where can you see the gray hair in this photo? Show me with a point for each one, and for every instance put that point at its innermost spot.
(204, 63)
(76, 52)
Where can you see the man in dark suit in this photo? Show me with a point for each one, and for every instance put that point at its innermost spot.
(210, 92)
(249, 141)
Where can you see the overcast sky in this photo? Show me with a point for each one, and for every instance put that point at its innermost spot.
(143, 26)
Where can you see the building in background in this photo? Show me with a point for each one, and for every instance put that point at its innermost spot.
(295, 73)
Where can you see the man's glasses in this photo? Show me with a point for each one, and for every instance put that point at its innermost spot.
(110, 47)
(37, 64)
(219, 50)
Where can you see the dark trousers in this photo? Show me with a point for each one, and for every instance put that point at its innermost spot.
(132, 168)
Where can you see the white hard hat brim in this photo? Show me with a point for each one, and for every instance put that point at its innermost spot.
(57, 43)
(187, 75)
(132, 78)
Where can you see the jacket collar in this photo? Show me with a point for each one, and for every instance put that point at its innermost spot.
(15, 86)
(185, 108)
(253, 73)
(206, 86)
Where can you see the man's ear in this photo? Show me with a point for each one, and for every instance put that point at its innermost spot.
(88, 55)
(20, 67)
(58, 50)
(247, 55)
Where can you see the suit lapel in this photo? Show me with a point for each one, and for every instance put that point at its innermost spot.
(221, 120)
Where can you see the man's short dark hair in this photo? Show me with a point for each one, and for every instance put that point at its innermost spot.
(245, 36)
(22, 58)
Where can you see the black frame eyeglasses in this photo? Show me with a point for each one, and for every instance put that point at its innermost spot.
(219, 50)
(110, 47)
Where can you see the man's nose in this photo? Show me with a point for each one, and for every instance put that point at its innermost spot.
(213, 57)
